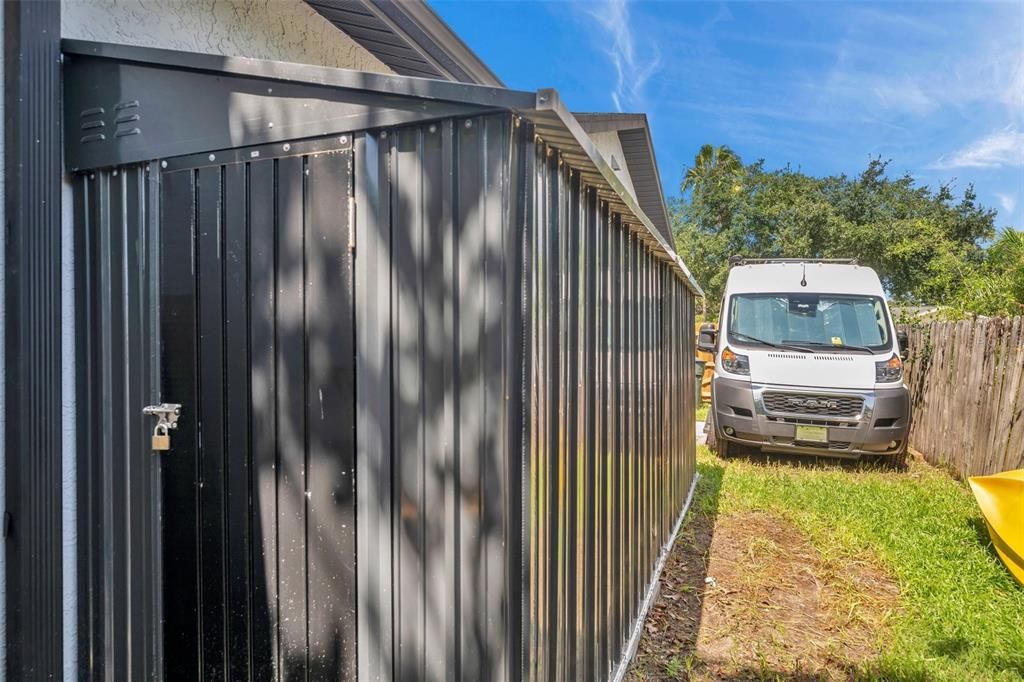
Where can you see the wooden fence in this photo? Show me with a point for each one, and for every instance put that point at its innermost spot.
(967, 383)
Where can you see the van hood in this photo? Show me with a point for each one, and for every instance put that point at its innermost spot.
(817, 370)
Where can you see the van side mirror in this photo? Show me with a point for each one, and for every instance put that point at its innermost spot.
(707, 339)
(904, 342)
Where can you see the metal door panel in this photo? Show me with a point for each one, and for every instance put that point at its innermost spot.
(291, 419)
(259, 482)
(330, 414)
(209, 411)
(263, 418)
(179, 467)
(238, 474)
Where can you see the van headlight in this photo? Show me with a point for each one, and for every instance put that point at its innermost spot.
(734, 363)
(890, 370)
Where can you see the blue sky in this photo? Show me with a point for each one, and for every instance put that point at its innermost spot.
(936, 87)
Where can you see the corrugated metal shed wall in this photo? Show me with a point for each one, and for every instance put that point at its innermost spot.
(116, 290)
(437, 361)
(523, 388)
(500, 301)
(611, 451)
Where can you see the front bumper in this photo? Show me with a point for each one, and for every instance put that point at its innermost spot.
(882, 421)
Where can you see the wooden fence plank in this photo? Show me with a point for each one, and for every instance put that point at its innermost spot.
(1013, 404)
(967, 385)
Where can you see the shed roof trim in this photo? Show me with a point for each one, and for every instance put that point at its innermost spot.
(409, 37)
(634, 133)
(552, 120)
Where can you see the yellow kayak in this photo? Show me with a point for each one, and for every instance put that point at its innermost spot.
(1001, 498)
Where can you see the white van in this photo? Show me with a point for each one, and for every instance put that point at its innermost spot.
(807, 361)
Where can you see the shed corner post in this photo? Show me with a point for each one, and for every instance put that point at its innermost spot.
(31, 620)
(521, 236)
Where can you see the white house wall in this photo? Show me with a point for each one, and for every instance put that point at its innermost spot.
(282, 30)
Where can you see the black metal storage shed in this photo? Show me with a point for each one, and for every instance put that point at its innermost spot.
(435, 368)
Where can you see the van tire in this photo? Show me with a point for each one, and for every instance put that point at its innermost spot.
(716, 443)
(896, 461)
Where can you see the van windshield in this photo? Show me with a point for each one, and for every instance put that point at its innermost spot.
(818, 320)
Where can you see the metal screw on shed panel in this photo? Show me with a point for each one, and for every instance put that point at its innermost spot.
(344, 139)
(286, 147)
(163, 164)
(469, 123)
(270, 125)
(432, 128)
(383, 134)
(115, 172)
(212, 157)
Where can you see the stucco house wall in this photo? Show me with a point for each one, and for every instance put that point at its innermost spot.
(282, 30)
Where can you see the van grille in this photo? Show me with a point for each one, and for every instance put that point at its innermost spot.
(802, 403)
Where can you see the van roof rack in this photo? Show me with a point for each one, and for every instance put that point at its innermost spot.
(741, 260)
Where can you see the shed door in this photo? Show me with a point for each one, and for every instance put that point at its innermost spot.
(258, 548)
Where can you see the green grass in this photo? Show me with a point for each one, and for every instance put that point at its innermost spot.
(961, 615)
(702, 411)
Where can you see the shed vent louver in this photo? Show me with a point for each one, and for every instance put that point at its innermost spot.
(127, 118)
(92, 125)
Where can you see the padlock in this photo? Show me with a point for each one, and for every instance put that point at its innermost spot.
(161, 437)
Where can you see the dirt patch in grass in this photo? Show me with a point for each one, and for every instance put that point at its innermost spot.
(774, 606)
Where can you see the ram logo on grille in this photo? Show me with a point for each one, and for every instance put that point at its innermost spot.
(813, 403)
(823, 405)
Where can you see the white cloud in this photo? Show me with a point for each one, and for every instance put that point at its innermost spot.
(1002, 148)
(904, 95)
(631, 72)
(1007, 200)
(896, 62)
(1014, 92)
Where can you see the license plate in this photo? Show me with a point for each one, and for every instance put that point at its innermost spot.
(812, 434)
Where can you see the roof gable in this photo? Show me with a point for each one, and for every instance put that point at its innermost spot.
(638, 151)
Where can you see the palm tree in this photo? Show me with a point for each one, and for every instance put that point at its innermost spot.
(712, 165)
(715, 168)
(1007, 255)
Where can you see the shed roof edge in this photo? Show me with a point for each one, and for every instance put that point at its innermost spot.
(539, 106)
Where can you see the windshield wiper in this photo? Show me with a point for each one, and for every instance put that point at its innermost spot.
(840, 346)
(783, 345)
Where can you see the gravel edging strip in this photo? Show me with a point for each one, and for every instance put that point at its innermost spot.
(652, 591)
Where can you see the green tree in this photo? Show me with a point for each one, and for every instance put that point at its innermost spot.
(926, 244)
(996, 287)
